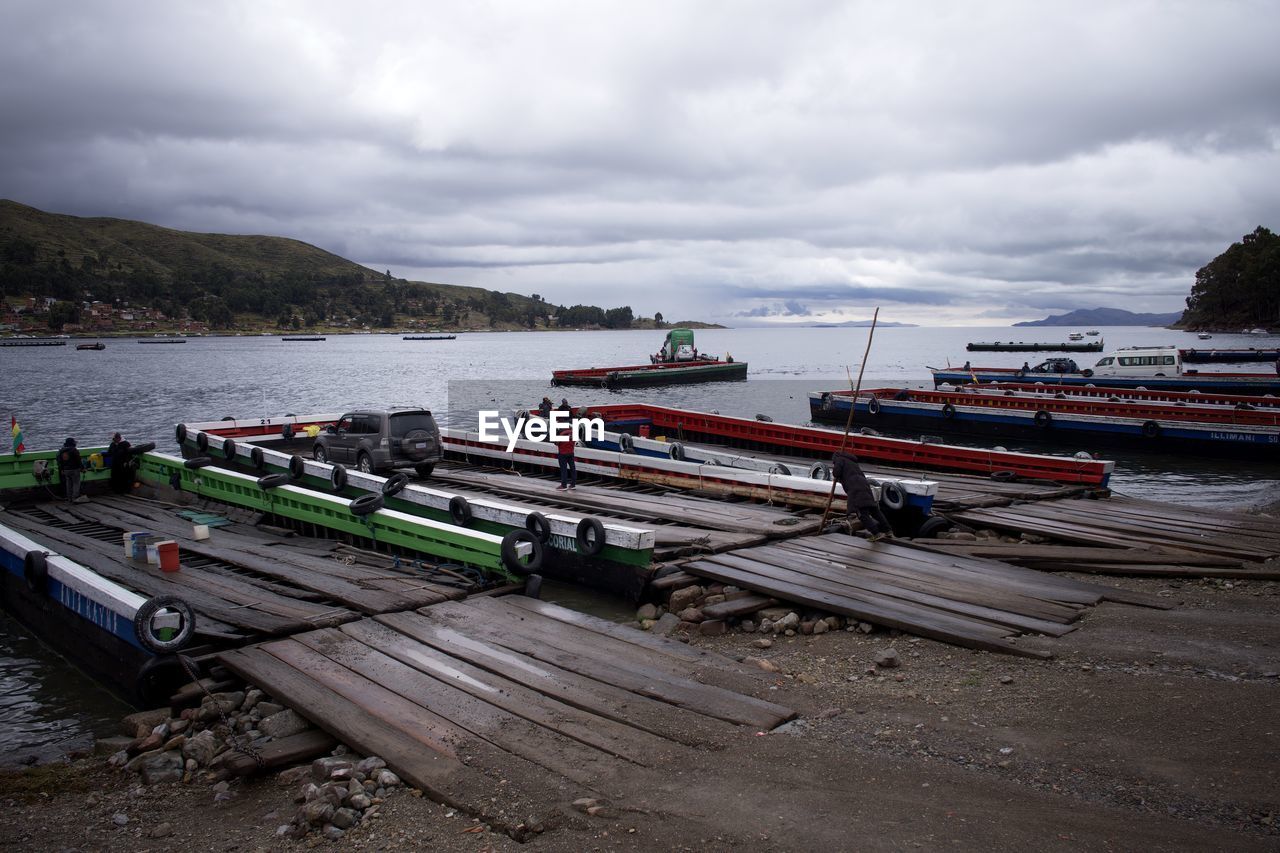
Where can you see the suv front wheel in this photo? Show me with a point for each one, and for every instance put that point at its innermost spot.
(318, 454)
(364, 464)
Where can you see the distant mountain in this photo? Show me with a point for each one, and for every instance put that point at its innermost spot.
(862, 324)
(1105, 317)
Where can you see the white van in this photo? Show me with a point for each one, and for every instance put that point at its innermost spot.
(1140, 361)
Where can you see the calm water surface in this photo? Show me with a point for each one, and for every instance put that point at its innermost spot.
(143, 390)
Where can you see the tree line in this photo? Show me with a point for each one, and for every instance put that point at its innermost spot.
(221, 296)
(1238, 288)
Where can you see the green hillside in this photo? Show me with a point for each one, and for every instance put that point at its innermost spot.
(57, 265)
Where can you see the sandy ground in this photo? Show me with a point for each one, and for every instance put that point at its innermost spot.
(1151, 730)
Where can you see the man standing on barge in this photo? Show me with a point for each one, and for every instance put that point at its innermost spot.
(69, 467)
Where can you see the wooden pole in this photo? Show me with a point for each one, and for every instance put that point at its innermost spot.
(848, 424)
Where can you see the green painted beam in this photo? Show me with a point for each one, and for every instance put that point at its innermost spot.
(389, 527)
(15, 471)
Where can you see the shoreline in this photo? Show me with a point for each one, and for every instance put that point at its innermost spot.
(1104, 745)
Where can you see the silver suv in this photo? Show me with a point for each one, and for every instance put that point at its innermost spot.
(378, 441)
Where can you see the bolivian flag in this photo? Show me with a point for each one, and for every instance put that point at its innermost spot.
(16, 430)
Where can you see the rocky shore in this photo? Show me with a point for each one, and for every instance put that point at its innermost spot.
(1149, 730)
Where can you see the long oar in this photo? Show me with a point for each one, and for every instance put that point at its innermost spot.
(848, 424)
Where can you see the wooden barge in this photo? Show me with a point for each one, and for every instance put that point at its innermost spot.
(679, 425)
(642, 375)
(1230, 356)
(1020, 346)
(1205, 429)
(1171, 378)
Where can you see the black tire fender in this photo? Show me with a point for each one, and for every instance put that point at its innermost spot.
(590, 536)
(1043, 420)
(512, 561)
(820, 471)
(1003, 476)
(142, 626)
(139, 449)
(35, 570)
(626, 443)
(932, 525)
(198, 462)
(160, 677)
(892, 496)
(394, 484)
(258, 458)
(948, 411)
(180, 433)
(537, 524)
(460, 510)
(297, 467)
(676, 451)
(1151, 429)
(229, 449)
(873, 405)
(338, 477)
(272, 481)
(202, 442)
(365, 504)
(780, 469)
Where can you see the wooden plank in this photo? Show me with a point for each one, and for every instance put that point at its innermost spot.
(644, 679)
(1049, 588)
(303, 746)
(369, 591)
(215, 613)
(489, 723)
(834, 574)
(747, 604)
(675, 580)
(603, 733)
(921, 621)
(1172, 571)
(430, 766)
(617, 646)
(661, 645)
(562, 685)
(961, 578)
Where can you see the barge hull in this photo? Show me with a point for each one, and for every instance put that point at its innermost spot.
(1169, 437)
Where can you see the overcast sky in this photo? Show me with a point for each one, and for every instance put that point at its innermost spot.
(952, 162)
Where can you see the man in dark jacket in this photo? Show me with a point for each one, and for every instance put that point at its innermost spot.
(858, 496)
(69, 467)
(122, 465)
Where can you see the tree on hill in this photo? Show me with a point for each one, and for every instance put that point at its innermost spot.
(1240, 287)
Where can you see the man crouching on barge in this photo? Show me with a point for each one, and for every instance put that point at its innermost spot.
(858, 497)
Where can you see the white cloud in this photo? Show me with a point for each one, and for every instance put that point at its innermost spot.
(949, 161)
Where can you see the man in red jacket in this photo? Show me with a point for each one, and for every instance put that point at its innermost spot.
(564, 455)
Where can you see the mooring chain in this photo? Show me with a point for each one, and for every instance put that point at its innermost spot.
(233, 737)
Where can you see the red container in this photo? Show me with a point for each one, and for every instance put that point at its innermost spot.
(644, 430)
(168, 556)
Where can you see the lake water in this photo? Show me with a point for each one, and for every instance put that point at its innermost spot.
(143, 390)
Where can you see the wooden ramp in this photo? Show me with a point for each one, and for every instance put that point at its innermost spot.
(241, 582)
(1120, 522)
(507, 707)
(978, 603)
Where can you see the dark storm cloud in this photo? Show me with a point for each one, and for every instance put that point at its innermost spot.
(992, 159)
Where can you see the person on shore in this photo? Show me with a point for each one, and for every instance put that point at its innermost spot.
(564, 455)
(859, 499)
(122, 465)
(70, 466)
